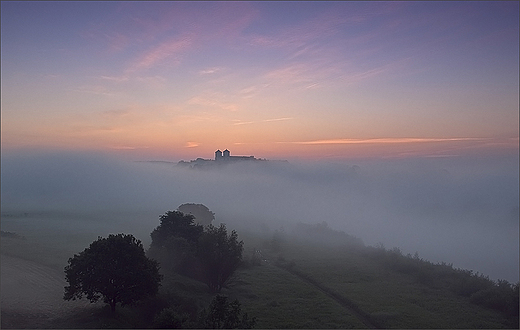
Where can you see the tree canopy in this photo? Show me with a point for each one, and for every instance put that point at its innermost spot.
(207, 253)
(115, 269)
(174, 242)
(200, 212)
(175, 224)
(219, 254)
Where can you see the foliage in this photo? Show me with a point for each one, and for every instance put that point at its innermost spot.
(224, 315)
(175, 224)
(220, 255)
(207, 254)
(501, 296)
(171, 318)
(200, 212)
(115, 268)
(174, 242)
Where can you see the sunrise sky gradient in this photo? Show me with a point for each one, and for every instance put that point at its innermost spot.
(278, 80)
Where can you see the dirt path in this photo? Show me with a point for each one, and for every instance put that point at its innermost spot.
(32, 294)
(346, 303)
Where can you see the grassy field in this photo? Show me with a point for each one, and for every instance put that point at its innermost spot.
(295, 285)
(390, 299)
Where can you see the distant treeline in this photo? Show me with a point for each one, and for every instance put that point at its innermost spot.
(11, 235)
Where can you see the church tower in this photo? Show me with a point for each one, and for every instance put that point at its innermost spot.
(218, 155)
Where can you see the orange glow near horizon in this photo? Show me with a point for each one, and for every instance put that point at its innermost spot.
(328, 82)
(161, 141)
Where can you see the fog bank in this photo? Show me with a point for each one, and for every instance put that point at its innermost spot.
(459, 210)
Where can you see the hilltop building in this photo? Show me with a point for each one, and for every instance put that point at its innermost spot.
(221, 158)
(226, 157)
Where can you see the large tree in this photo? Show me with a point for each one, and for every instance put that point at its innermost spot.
(174, 242)
(115, 269)
(220, 255)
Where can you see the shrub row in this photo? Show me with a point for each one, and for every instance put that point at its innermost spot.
(501, 295)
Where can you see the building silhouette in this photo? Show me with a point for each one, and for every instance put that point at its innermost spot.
(222, 158)
(226, 157)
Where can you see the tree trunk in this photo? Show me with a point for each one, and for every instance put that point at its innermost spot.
(113, 305)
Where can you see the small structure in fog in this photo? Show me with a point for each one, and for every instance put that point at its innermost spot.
(222, 158)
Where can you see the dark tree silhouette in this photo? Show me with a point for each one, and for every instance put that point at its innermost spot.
(175, 224)
(201, 213)
(220, 255)
(222, 314)
(174, 242)
(115, 269)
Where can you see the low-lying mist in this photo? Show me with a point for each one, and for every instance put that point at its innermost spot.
(461, 211)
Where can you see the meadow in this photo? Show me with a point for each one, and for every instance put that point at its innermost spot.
(285, 281)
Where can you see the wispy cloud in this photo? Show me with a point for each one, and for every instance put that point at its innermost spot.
(210, 71)
(122, 147)
(252, 91)
(239, 122)
(385, 140)
(367, 74)
(293, 73)
(213, 99)
(278, 119)
(116, 79)
(166, 50)
(191, 144)
(155, 82)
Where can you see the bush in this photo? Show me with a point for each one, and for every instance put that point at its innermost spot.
(502, 297)
(171, 318)
(224, 315)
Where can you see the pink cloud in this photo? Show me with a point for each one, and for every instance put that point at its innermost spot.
(278, 119)
(191, 144)
(193, 28)
(293, 73)
(387, 140)
(210, 71)
(115, 78)
(239, 122)
(160, 53)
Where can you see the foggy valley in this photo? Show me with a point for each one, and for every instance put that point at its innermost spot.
(456, 213)
(460, 211)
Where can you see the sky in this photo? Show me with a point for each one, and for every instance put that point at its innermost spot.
(278, 80)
